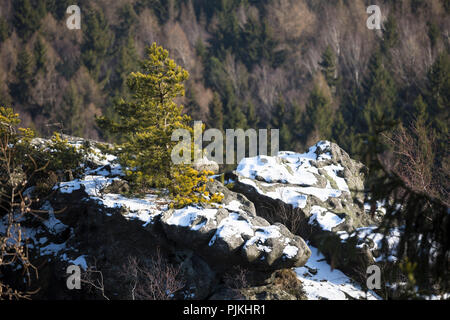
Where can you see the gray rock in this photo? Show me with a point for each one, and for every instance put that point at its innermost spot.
(347, 205)
(205, 164)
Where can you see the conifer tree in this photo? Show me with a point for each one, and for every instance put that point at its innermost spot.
(390, 34)
(97, 40)
(319, 114)
(420, 110)
(40, 52)
(328, 65)
(295, 126)
(24, 77)
(127, 62)
(438, 95)
(279, 114)
(26, 18)
(381, 95)
(216, 110)
(239, 118)
(70, 117)
(4, 30)
(145, 125)
(280, 121)
(252, 116)
(147, 120)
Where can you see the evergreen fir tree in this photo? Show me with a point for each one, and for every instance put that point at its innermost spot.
(20, 89)
(279, 121)
(252, 116)
(438, 96)
(127, 62)
(97, 40)
(381, 94)
(4, 30)
(328, 65)
(319, 114)
(70, 117)
(420, 110)
(26, 18)
(216, 112)
(390, 34)
(40, 52)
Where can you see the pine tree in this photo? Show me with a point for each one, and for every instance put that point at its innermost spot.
(97, 40)
(128, 18)
(26, 18)
(216, 112)
(438, 96)
(4, 30)
(145, 125)
(390, 34)
(380, 93)
(147, 120)
(40, 52)
(279, 121)
(295, 126)
(420, 110)
(279, 113)
(328, 65)
(252, 116)
(20, 89)
(71, 111)
(127, 62)
(239, 118)
(319, 114)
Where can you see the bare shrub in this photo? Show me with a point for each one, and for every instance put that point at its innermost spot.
(294, 219)
(237, 278)
(94, 278)
(152, 280)
(414, 150)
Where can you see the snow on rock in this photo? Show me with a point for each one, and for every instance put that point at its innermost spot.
(231, 234)
(191, 217)
(36, 234)
(320, 282)
(374, 240)
(273, 169)
(292, 177)
(144, 209)
(326, 220)
(53, 225)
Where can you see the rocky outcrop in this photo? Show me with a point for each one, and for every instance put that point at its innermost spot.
(98, 225)
(89, 222)
(232, 233)
(323, 186)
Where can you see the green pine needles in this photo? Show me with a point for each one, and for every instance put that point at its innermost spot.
(145, 124)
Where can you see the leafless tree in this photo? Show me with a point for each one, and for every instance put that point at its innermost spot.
(94, 278)
(413, 161)
(153, 280)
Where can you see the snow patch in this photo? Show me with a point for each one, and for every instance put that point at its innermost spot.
(321, 282)
(326, 220)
